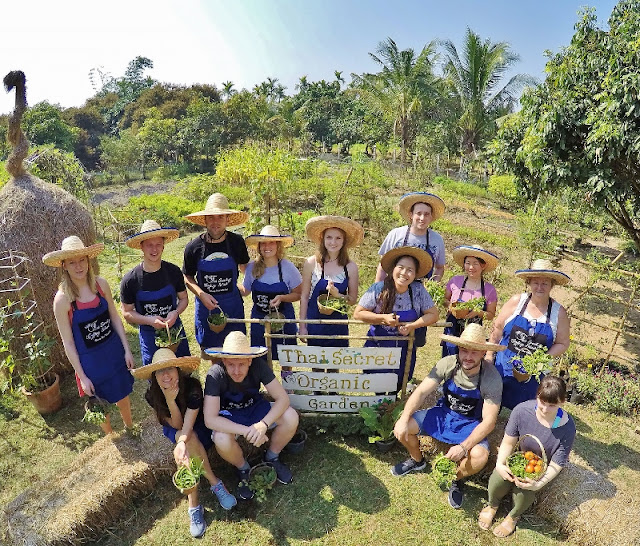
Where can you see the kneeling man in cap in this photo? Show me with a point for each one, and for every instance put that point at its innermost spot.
(463, 417)
(233, 406)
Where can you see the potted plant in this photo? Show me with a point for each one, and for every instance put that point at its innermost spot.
(217, 320)
(533, 365)
(380, 418)
(170, 338)
(296, 444)
(95, 412)
(187, 478)
(262, 478)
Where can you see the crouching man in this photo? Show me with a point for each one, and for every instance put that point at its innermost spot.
(233, 406)
(463, 417)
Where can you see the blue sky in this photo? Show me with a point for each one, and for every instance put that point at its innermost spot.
(57, 43)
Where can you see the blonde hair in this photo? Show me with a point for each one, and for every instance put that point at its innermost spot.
(322, 253)
(68, 287)
(259, 265)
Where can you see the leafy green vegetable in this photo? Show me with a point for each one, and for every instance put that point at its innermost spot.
(436, 291)
(443, 471)
(535, 364)
(380, 418)
(474, 304)
(261, 481)
(188, 476)
(275, 316)
(517, 463)
(174, 335)
(335, 304)
(95, 414)
(217, 319)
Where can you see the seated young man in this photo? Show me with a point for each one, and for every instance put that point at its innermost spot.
(233, 406)
(463, 417)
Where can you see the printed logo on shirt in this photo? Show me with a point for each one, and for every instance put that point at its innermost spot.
(262, 301)
(522, 343)
(97, 330)
(458, 406)
(218, 283)
(160, 308)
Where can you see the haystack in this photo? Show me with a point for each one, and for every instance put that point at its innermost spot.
(90, 494)
(36, 216)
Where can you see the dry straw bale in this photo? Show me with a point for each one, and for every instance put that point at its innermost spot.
(88, 495)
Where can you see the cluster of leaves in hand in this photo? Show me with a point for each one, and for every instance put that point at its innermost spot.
(436, 291)
(166, 338)
(335, 304)
(525, 465)
(443, 471)
(261, 481)
(474, 304)
(188, 476)
(218, 319)
(380, 418)
(96, 414)
(535, 364)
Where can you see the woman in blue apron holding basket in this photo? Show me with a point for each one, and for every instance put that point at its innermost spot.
(329, 271)
(274, 284)
(211, 264)
(400, 304)
(475, 261)
(525, 323)
(90, 327)
(153, 294)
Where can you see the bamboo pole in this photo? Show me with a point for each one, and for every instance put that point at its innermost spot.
(615, 339)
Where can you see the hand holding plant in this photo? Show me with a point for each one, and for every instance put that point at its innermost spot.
(535, 364)
(380, 418)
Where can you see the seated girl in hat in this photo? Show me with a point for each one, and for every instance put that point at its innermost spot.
(476, 261)
(274, 283)
(177, 399)
(399, 304)
(91, 329)
(329, 270)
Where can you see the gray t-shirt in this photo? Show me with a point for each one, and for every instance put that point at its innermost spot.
(557, 442)
(422, 301)
(290, 275)
(395, 239)
(490, 386)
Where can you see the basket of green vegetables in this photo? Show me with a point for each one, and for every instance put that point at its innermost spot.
(443, 471)
(275, 317)
(527, 464)
(217, 320)
(170, 338)
(328, 304)
(187, 478)
(533, 365)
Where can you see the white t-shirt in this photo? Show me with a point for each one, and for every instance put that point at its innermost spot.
(395, 238)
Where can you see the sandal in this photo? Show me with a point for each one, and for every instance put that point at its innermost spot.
(485, 517)
(506, 528)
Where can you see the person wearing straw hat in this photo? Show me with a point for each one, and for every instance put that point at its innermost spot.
(475, 261)
(91, 329)
(527, 322)
(399, 304)
(153, 293)
(544, 419)
(419, 209)
(233, 406)
(463, 417)
(176, 398)
(329, 270)
(274, 284)
(211, 264)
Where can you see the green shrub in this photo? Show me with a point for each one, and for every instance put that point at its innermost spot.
(462, 188)
(618, 394)
(4, 174)
(199, 187)
(504, 186)
(166, 209)
(168, 172)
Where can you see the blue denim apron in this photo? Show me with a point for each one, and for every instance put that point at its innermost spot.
(521, 338)
(262, 294)
(245, 408)
(101, 352)
(157, 303)
(327, 329)
(218, 278)
(460, 324)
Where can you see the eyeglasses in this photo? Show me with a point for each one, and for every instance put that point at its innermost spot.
(532, 327)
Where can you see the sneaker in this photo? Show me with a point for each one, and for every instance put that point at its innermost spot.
(244, 491)
(410, 465)
(198, 524)
(282, 470)
(456, 496)
(226, 499)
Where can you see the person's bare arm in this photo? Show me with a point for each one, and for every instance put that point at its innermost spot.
(116, 321)
(562, 339)
(205, 298)
(498, 324)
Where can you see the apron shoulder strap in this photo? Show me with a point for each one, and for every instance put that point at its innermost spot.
(280, 270)
(548, 317)
(406, 236)
(524, 305)
(482, 286)
(411, 298)
(346, 274)
(100, 291)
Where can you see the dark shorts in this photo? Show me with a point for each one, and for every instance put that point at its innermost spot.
(204, 434)
(420, 416)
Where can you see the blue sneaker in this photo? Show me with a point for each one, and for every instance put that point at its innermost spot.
(226, 499)
(198, 524)
(244, 491)
(282, 470)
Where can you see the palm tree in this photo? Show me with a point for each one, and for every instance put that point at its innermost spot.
(475, 79)
(227, 89)
(402, 88)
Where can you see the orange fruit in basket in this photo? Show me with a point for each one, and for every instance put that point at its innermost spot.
(530, 468)
(538, 467)
(529, 455)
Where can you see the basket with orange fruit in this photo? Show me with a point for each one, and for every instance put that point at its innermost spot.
(527, 464)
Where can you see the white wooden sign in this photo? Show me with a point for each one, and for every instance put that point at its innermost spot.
(340, 358)
(335, 403)
(340, 382)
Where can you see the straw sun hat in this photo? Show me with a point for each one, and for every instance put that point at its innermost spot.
(316, 226)
(543, 268)
(149, 230)
(218, 204)
(409, 199)
(165, 358)
(267, 234)
(71, 247)
(474, 338)
(461, 252)
(236, 345)
(425, 263)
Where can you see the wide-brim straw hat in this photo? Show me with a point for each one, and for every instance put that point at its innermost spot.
(425, 262)
(409, 199)
(461, 252)
(473, 337)
(316, 226)
(149, 230)
(166, 358)
(218, 204)
(71, 247)
(268, 233)
(236, 345)
(543, 268)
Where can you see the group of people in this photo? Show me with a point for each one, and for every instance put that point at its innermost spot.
(476, 375)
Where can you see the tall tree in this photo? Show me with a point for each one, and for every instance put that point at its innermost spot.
(402, 89)
(228, 90)
(44, 124)
(476, 75)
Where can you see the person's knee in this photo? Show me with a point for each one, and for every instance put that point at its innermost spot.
(223, 441)
(289, 418)
(479, 456)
